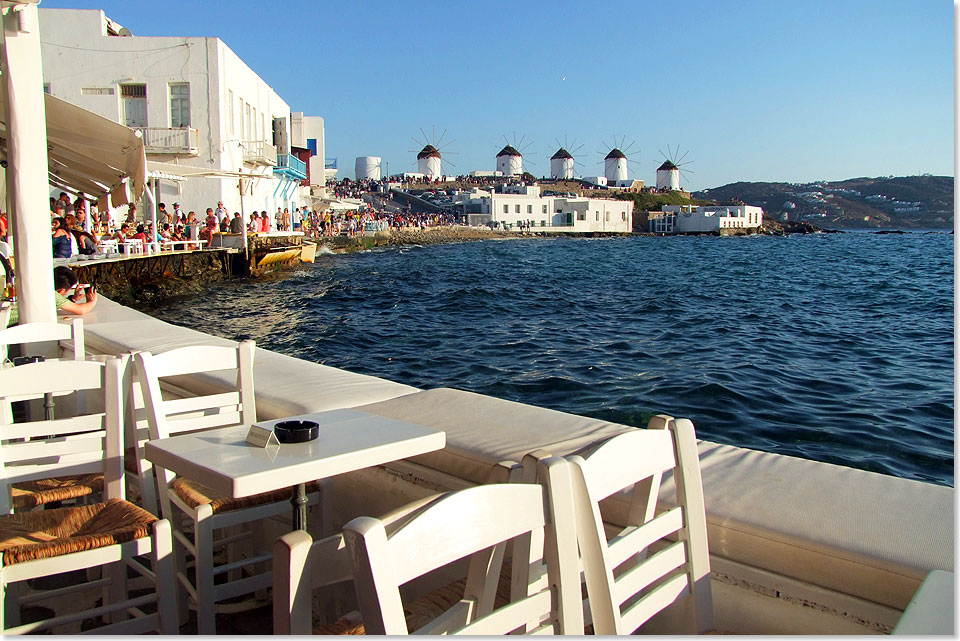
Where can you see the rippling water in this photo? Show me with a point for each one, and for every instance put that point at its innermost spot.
(837, 348)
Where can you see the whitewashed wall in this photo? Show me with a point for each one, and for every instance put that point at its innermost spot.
(86, 67)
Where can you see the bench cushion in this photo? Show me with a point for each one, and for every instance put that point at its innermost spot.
(285, 386)
(483, 431)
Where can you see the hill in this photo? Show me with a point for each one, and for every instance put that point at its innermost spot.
(887, 202)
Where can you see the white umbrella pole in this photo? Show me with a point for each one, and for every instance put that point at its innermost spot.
(152, 204)
(27, 180)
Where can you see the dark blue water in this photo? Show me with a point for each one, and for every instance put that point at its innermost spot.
(837, 348)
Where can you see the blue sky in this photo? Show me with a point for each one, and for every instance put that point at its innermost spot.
(753, 90)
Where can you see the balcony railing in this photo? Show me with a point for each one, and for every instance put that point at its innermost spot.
(165, 140)
(259, 152)
(290, 166)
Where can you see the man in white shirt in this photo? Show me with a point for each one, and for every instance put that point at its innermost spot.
(221, 213)
(297, 219)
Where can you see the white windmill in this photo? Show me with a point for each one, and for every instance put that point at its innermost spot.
(562, 161)
(429, 159)
(670, 172)
(615, 161)
(510, 158)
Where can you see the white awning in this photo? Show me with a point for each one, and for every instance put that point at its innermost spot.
(89, 154)
(172, 171)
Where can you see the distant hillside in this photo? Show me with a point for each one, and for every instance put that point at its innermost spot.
(902, 202)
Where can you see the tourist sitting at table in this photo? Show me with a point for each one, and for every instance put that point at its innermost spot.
(236, 224)
(62, 239)
(141, 234)
(86, 243)
(254, 225)
(64, 280)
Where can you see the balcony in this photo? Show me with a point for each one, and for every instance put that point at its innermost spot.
(290, 166)
(181, 141)
(259, 152)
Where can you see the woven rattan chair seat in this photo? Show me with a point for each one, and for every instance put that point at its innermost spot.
(34, 493)
(194, 494)
(45, 534)
(426, 608)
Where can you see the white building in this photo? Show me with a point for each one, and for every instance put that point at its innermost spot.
(668, 176)
(510, 161)
(561, 165)
(524, 204)
(307, 132)
(196, 103)
(679, 219)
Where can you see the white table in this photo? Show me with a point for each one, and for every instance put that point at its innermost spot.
(349, 440)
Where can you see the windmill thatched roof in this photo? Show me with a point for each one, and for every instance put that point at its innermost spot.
(561, 153)
(615, 153)
(509, 151)
(428, 152)
(667, 166)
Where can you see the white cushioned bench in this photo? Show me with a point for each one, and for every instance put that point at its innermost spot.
(859, 533)
(285, 385)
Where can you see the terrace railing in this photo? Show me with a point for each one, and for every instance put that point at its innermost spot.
(259, 152)
(170, 140)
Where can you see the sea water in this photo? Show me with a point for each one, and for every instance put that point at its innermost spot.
(832, 347)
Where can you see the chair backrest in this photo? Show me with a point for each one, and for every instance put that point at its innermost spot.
(472, 523)
(642, 569)
(27, 333)
(168, 417)
(301, 565)
(5, 308)
(83, 444)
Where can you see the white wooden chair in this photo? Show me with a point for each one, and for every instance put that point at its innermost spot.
(109, 534)
(42, 491)
(302, 565)
(26, 333)
(657, 558)
(472, 523)
(6, 307)
(133, 246)
(183, 500)
(109, 246)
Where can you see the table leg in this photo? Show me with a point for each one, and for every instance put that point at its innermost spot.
(299, 502)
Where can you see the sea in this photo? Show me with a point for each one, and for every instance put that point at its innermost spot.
(832, 347)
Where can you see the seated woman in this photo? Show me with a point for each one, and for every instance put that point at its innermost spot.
(62, 247)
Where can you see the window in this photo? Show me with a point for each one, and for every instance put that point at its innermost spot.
(230, 111)
(516, 208)
(506, 209)
(544, 209)
(529, 209)
(623, 216)
(257, 134)
(581, 215)
(246, 113)
(180, 104)
(596, 215)
(46, 88)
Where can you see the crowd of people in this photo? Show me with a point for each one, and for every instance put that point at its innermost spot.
(78, 228)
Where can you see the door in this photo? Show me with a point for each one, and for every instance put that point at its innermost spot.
(133, 100)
